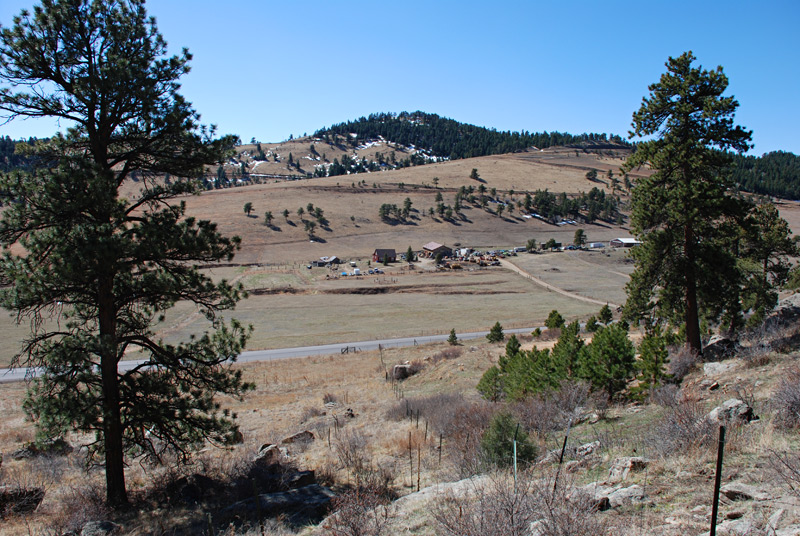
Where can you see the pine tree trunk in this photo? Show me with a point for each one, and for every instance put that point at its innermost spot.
(692, 317)
(116, 495)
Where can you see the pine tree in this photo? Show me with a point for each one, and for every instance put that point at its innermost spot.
(490, 385)
(497, 442)
(410, 255)
(554, 320)
(453, 338)
(566, 354)
(681, 212)
(605, 315)
(608, 362)
(496, 333)
(100, 268)
(653, 360)
(248, 208)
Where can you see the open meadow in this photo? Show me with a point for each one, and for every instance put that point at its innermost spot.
(424, 431)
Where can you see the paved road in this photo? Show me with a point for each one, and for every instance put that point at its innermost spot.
(19, 374)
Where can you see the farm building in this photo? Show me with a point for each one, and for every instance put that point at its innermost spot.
(432, 249)
(595, 245)
(381, 255)
(624, 243)
(325, 261)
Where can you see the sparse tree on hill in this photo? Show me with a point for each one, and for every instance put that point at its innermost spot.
(248, 208)
(530, 247)
(591, 175)
(682, 212)
(580, 238)
(474, 175)
(605, 315)
(100, 268)
(268, 218)
(410, 255)
(554, 320)
(453, 338)
(496, 333)
(300, 212)
(500, 208)
(286, 214)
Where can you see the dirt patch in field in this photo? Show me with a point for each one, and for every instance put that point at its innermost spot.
(389, 289)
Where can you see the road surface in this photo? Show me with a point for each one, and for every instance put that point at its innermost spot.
(21, 373)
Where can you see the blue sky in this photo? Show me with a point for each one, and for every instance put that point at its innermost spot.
(270, 69)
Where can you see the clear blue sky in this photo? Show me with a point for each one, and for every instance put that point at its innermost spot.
(271, 69)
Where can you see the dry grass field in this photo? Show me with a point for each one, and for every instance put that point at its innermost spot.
(291, 305)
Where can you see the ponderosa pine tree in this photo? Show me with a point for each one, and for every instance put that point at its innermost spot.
(608, 361)
(680, 211)
(495, 333)
(100, 268)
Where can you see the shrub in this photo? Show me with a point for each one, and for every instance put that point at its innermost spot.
(682, 360)
(552, 410)
(495, 506)
(683, 426)
(359, 512)
(786, 399)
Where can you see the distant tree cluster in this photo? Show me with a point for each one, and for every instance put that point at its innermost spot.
(776, 174)
(589, 207)
(450, 139)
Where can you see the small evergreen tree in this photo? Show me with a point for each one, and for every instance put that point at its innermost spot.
(286, 214)
(410, 255)
(605, 315)
(566, 354)
(653, 359)
(268, 218)
(496, 333)
(452, 339)
(498, 442)
(592, 325)
(554, 320)
(609, 363)
(248, 208)
(490, 385)
(580, 238)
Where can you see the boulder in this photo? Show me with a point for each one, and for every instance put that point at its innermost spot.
(301, 437)
(267, 455)
(739, 491)
(191, 489)
(719, 348)
(401, 372)
(587, 449)
(734, 411)
(308, 502)
(100, 528)
(15, 500)
(621, 467)
(50, 447)
(598, 495)
(626, 496)
(716, 369)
